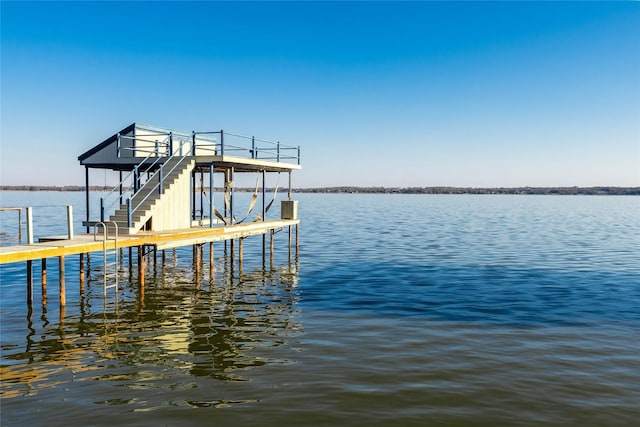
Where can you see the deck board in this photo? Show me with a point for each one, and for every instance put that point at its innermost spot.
(84, 243)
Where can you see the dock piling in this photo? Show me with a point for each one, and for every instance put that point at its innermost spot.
(44, 280)
(63, 298)
(29, 282)
(81, 274)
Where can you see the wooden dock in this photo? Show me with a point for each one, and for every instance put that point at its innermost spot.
(159, 204)
(56, 246)
(149, 241)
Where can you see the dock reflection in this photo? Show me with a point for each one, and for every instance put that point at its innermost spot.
(220, 329)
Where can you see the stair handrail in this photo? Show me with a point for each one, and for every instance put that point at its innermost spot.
(131, 209)
(135, 171)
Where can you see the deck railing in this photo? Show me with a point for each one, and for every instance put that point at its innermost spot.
(182, 144)
(251, 147)
(133, 180)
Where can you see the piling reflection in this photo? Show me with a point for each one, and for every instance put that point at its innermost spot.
(218, 330)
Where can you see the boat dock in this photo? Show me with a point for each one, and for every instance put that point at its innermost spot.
(159, 205)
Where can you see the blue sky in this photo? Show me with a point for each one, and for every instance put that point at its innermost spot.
(376, 94)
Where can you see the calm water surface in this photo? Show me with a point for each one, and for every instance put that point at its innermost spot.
(400, 310)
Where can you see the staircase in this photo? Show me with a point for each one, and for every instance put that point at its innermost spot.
(152, 194)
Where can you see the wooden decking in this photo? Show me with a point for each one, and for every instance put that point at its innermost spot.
(49, 247)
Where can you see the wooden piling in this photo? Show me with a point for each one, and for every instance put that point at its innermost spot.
(240, 254)
(81, 270)
(29, 282)
(297, 239)
(141, 266)
(63, 297)
(44, 280)
(271, 248)
(196, 258)
(211, 266)
(289, 243)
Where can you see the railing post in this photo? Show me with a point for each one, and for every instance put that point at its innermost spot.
(69, 222)
(298, 154)
(128, 213)
(253, 147)
(136, 178)
(20, 226)
(221, 142)
(118, 146)
(160, 178)
(278, 151)
(193, 143)
(102, 209)
(170, 144)
(29, 226)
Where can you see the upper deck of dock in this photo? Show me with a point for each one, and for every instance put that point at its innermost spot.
(140, 145)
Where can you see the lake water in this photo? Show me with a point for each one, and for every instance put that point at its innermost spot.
(400, 310)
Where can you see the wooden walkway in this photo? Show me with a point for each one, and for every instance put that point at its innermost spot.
(60, 246)
(49, 247)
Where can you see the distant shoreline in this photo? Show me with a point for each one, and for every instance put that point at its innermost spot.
(604, 190)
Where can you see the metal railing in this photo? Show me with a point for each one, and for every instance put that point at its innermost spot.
(160, 173)
(182, 144)
(134, 177)
(235, 144)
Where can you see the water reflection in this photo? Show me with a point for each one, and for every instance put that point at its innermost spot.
(217, 330)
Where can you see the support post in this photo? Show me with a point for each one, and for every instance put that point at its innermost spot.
(211, 207)
(253, 147)
(231, 194)
(102, 209)
(19, 226)
(289, 242)
(240, 254)
(264, 235)
(69, 222)
(201, 195)
(196, 260)
(271, 249)
(81, 274)
(141, 267)
(86, 194)
(63, 297)
(160, 179)
(29, 226)
(29, 282)
(44, 280)
(211, 266)
(193, 195)
(297, 239)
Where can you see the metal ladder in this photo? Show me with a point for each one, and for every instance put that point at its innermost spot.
(110, 269)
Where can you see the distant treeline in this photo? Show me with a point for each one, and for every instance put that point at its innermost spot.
(52, 188)
(613, 191)
(634, 191)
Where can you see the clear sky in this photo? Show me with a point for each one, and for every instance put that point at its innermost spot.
(376, 94)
